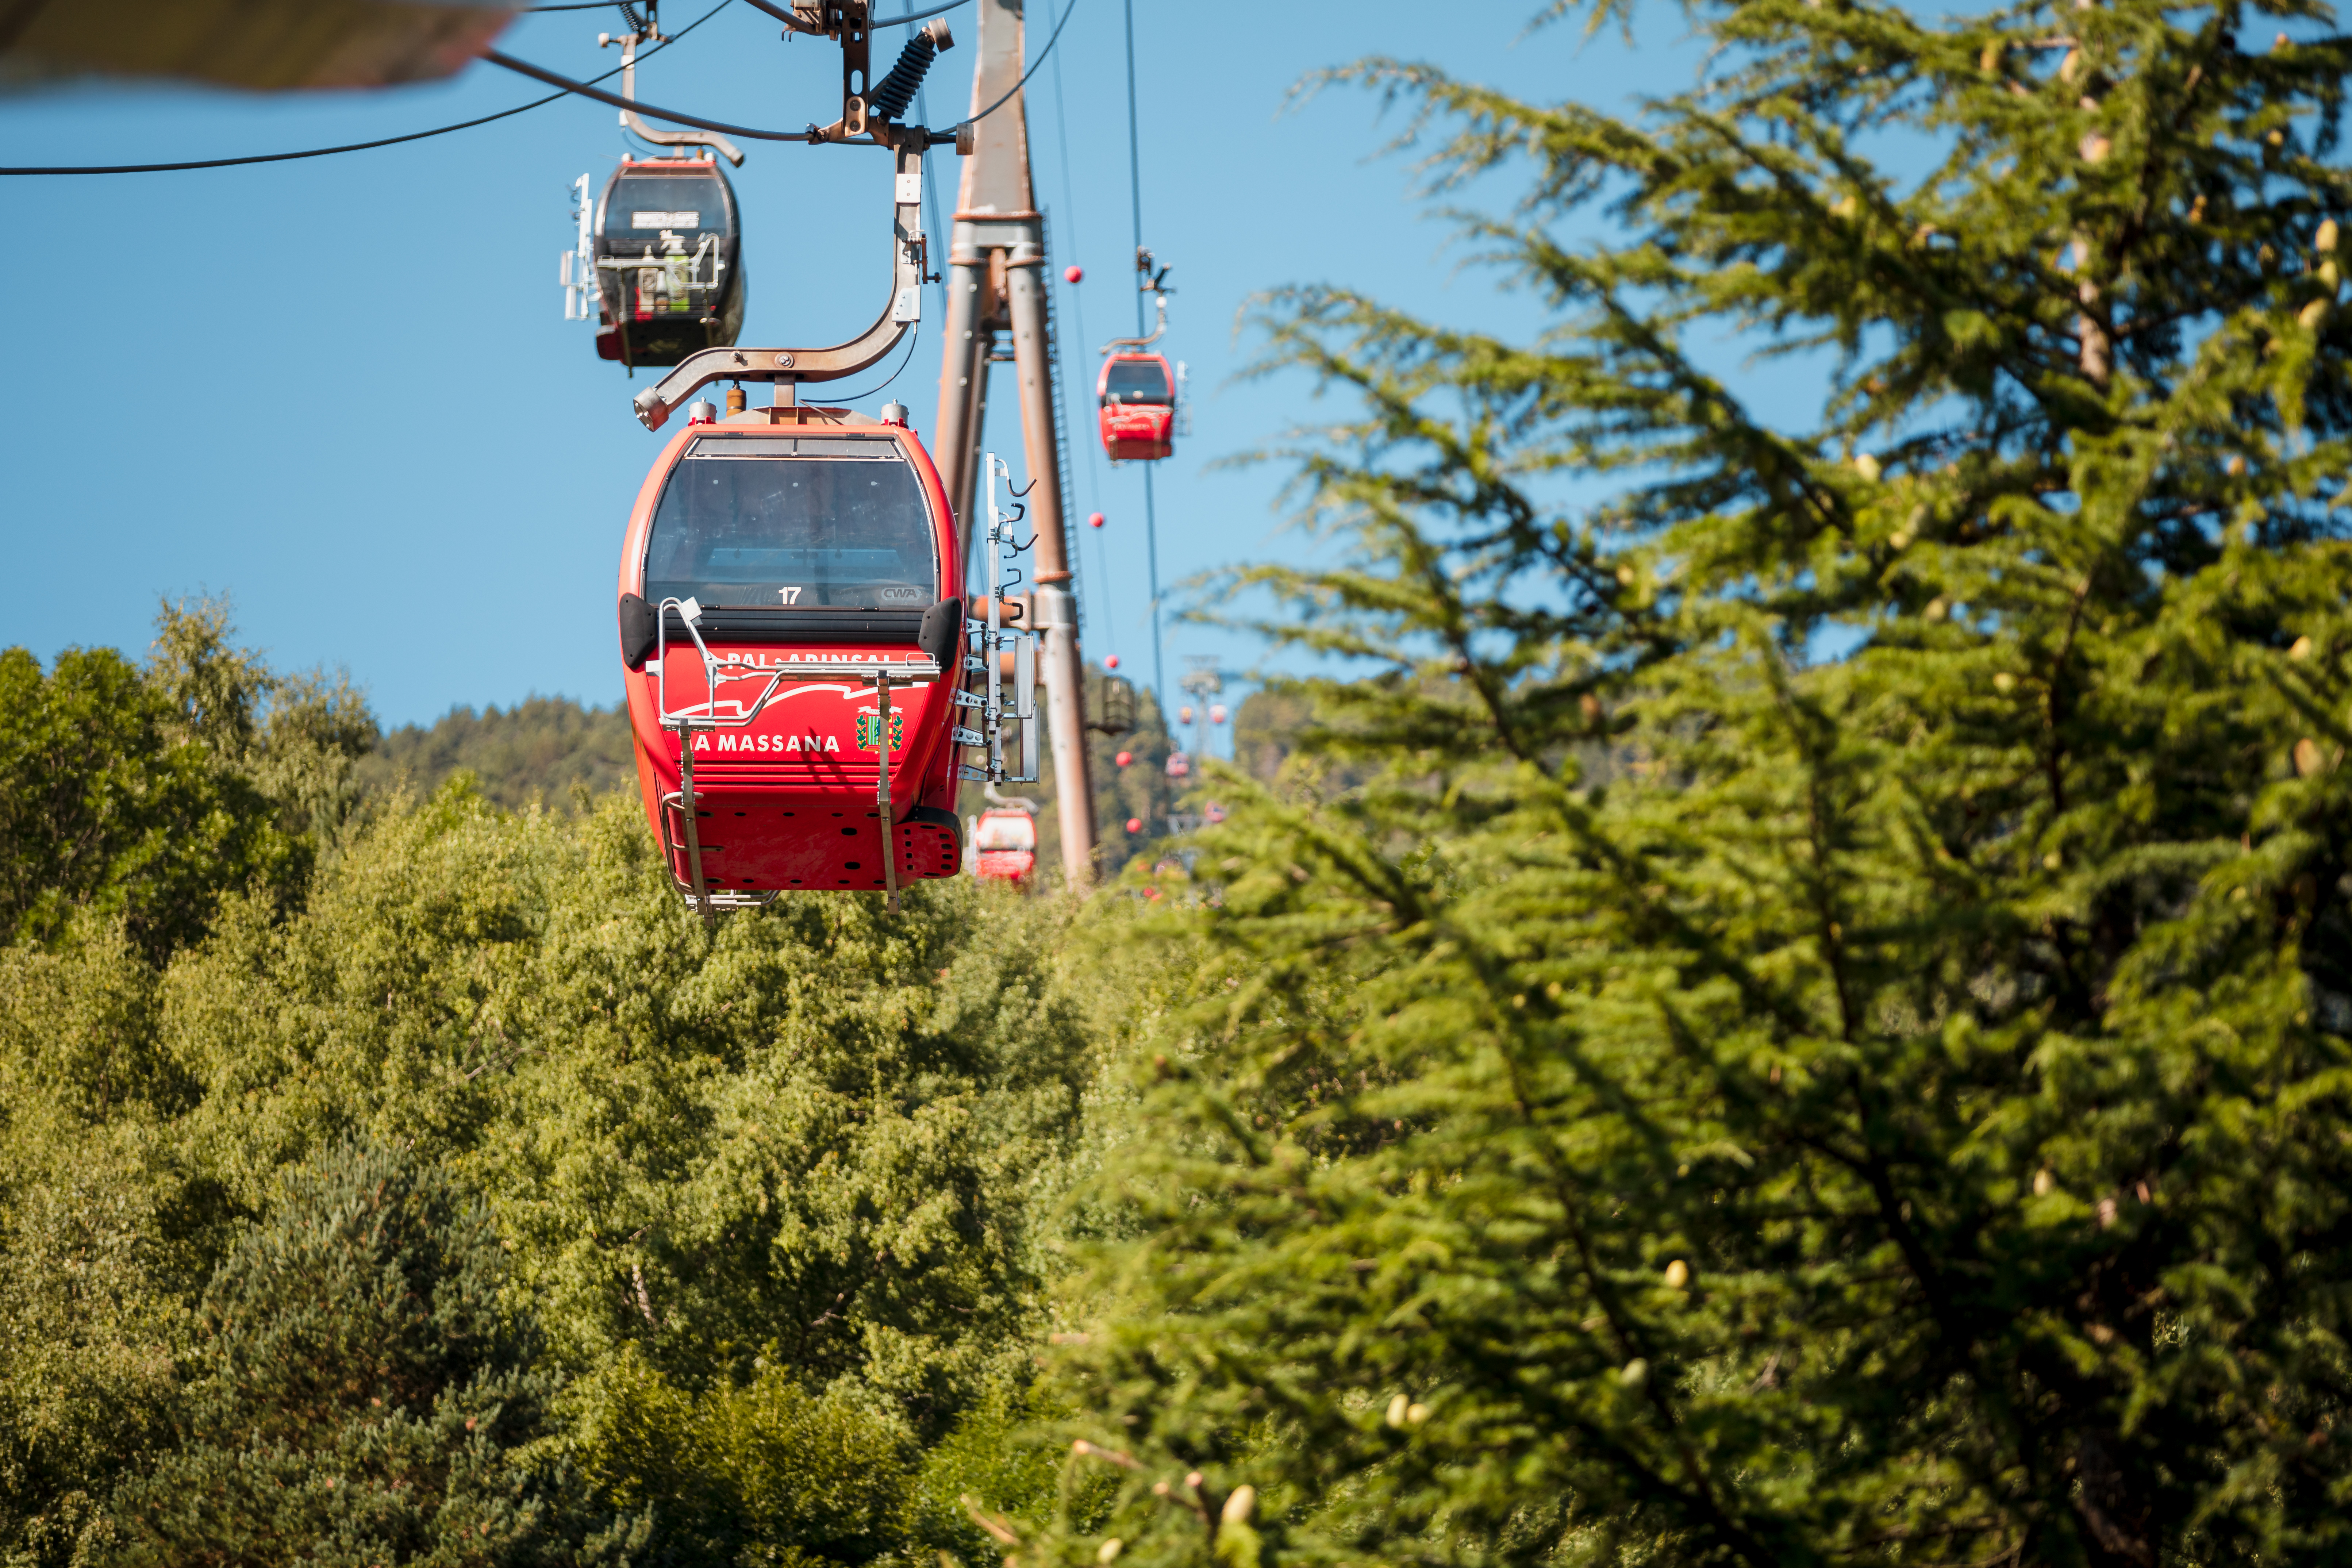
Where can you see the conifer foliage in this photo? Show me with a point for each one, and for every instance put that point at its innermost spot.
(1829, 1037)
(363, 1398)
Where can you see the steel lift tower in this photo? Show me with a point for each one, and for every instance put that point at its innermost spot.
(994, 286)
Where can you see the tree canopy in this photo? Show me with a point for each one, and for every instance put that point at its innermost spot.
(146, 793)
(717, 1216)
(1824, 1037)
(361, 1397)
(1800, 1014)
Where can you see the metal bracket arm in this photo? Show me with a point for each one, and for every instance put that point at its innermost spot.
(911, 671)
(991, 636)
(881, 679)
(908, 263)
(849, 23)
(635, 124)
(1158, 333)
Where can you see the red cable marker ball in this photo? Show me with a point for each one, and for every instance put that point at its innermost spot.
(1073, 274)
(1112, 663)
(1123, 758)
(1135, 825)
(1094, 520)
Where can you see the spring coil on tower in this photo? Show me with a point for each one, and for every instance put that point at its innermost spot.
(894, 92)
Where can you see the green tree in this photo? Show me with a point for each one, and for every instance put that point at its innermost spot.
(761, 1473)
(363, 1396)
(298, 739)
(1894, 1113)
(1140, 792)
(796, 1180)
(90, 1332)
(799, 1178)
(101, 809)
(104, 1241)
(821, 1127)
(822, 1145)
(142, 794)
(1267, 729)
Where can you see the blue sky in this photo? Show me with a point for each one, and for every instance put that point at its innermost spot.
(341, 391)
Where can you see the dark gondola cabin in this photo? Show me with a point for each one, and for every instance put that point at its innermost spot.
(1137, 394)
(670, 264)
(814, 553)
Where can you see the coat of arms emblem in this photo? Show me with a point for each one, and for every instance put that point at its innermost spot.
(869, 730)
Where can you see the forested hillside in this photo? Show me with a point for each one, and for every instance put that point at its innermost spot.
(1800, 1012)
(552, 750)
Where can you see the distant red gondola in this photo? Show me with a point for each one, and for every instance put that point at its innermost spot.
(1137, 394)
(1006, 840)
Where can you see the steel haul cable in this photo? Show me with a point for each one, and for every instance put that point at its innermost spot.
(1033, 69)
(1151, 511)
(1078, 311)
(564, 85)
(382, 141)
(913, 15)
(651, 112)
(904, 361)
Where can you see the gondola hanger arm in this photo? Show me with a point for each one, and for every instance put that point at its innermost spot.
(636, 123)
(1151, 279)
(1158, 333)
(908, 267)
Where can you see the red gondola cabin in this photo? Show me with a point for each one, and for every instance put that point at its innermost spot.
(802, 551)
(1137, 394)
(1006, 840)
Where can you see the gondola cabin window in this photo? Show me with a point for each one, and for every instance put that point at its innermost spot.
(1138, 380)
(794, 523)
(1003, 830)
(676, 231)
(652, 203)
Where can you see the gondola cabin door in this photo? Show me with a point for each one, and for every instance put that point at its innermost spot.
(1138, 397)
(796, 562)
